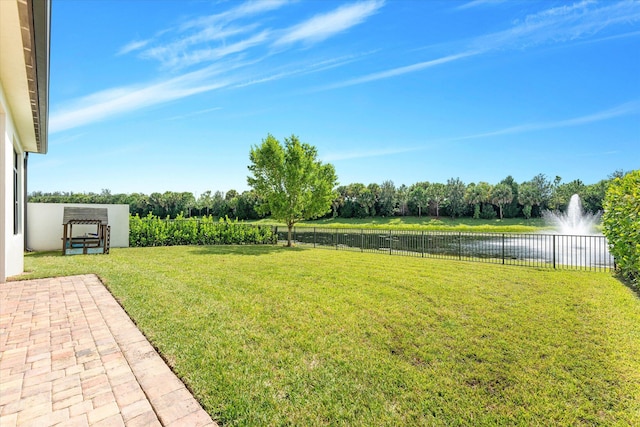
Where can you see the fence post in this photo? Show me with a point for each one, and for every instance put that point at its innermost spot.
(390, 241)
(503, 248)
(459, 245)
(422, 244)
(336, 239)
(554, 250)
(314, 237)
(361, 240)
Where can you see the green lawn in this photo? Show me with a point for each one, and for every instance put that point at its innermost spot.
(265, 335)
(509, 225)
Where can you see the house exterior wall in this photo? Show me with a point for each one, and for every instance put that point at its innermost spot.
(25, 28)
(44, 225)
(11, 244)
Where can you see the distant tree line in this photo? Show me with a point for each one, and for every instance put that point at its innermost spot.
(505, 199)
(168, 204)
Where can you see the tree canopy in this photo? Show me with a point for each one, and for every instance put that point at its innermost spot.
(291, 182)
(501, 195)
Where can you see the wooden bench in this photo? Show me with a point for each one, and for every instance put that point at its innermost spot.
(89, 243)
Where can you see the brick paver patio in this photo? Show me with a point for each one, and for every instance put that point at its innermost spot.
(70, 356)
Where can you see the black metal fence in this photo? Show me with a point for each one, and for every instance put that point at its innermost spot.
(533, 250)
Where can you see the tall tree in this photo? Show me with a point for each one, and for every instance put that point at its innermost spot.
(455, 190)
(403, 197)
(501, 195)
(292, 184)
(375, 191)
(246, 207)
(527, 197)
(388, 198)
(367, 200)
(338, 201)
(355, 201)
(231, 194)
(511, 209)
(438, 194)
(219, 206)
(138, 204)
(419, 195)
(473, 197)
(594, 196)
(204, 203)
(158, 205)
(543, 189)
(484, 190)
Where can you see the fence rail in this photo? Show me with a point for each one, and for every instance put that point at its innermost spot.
(532, 250)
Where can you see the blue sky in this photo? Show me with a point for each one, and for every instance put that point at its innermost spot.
(171, 95)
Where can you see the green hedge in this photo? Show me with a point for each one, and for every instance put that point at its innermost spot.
(154, 231)
(621, 223)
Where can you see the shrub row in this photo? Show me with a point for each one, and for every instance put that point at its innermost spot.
(155, 231)
(621, 223)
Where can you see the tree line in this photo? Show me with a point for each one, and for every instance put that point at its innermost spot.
(505, 199)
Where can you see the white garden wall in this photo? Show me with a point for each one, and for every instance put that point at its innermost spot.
(44, 225)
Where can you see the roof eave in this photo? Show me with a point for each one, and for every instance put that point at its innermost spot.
(36, 16)
(41, 12)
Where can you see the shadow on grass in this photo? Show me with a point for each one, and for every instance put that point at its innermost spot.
(44, 254)
(629, 283)
(251, 250)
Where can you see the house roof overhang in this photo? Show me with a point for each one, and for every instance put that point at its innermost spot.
(25, 29)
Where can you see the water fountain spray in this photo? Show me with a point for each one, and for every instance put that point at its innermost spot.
(575, 220)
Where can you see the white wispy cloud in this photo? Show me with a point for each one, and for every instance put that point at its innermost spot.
(625, 109)
(210, 38)
(184, 52)
(628, 108)
(477, 3)
(117, 101)
(206, 28)
(325, 25)
(244, 10)
(178, 57)
(298, 69)
(188, 43)
(561, 24)
(133, 46)
(557, 25)
(112, 102)
(609, 38)
(222, 41)
(394, 72)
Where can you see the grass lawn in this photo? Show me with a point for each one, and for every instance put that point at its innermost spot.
(507, 225)
(265, 335)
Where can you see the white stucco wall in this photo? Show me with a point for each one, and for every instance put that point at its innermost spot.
(11, 245)
(44, 225)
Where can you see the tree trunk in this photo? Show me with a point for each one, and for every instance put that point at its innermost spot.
(419, 211)
(290, 227)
